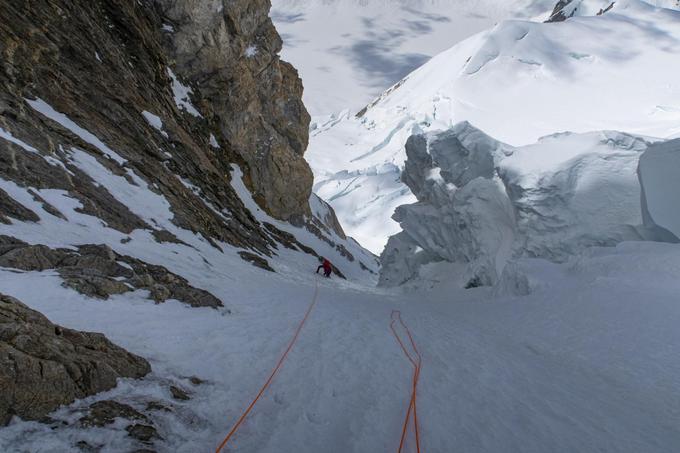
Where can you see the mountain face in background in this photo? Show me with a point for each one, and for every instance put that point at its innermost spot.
(145, 146)
(517, 82)
(349, 51)
(482, 203)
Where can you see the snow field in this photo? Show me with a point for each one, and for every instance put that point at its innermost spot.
(584, 363)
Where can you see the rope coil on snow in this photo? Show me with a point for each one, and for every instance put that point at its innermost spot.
(274, 371)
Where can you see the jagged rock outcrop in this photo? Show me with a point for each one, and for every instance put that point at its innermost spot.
(254, 102)
(107, 64)
(168, 94)
(482, 203)
(97, 271)
(103, 413)
(121, 125)
(43, 365)
(566, 9)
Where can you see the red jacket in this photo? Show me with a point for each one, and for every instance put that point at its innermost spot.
(326, 265)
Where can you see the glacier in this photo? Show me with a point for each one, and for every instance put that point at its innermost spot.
(482, 203)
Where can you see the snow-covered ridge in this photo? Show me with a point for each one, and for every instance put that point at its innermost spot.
(518, 81)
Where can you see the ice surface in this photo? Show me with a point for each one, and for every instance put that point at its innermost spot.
(482, 203)
(251, 51)
(155, 121)
(213, 142)
(10, 138)
(586, 361)
(659, 173)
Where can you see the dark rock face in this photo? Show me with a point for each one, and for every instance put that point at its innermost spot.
(99, 272)
(103, 63)
(558, 14)
(254, 101)
(257, 261)
(105, 412)
(44, 365)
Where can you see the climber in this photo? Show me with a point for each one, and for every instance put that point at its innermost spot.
(326, 265)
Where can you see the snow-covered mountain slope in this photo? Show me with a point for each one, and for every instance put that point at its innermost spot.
(586, 362)
(482, 203)
(518, 81)
(349, 51)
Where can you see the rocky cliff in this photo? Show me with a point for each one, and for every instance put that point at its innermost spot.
(104, 63)
(132, 132)
(253, 103)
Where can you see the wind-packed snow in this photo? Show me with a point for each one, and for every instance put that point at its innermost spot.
(482, 203)
(659, 172)
(181, 93)
(155, 121)
(585, 360)
(518, 81)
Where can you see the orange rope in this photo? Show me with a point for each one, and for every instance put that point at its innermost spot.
(417, 363)
(273, 373)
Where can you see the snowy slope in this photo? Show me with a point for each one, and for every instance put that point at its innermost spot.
(349, 51)
(78, 228)
(518, 81)
(586, 362)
